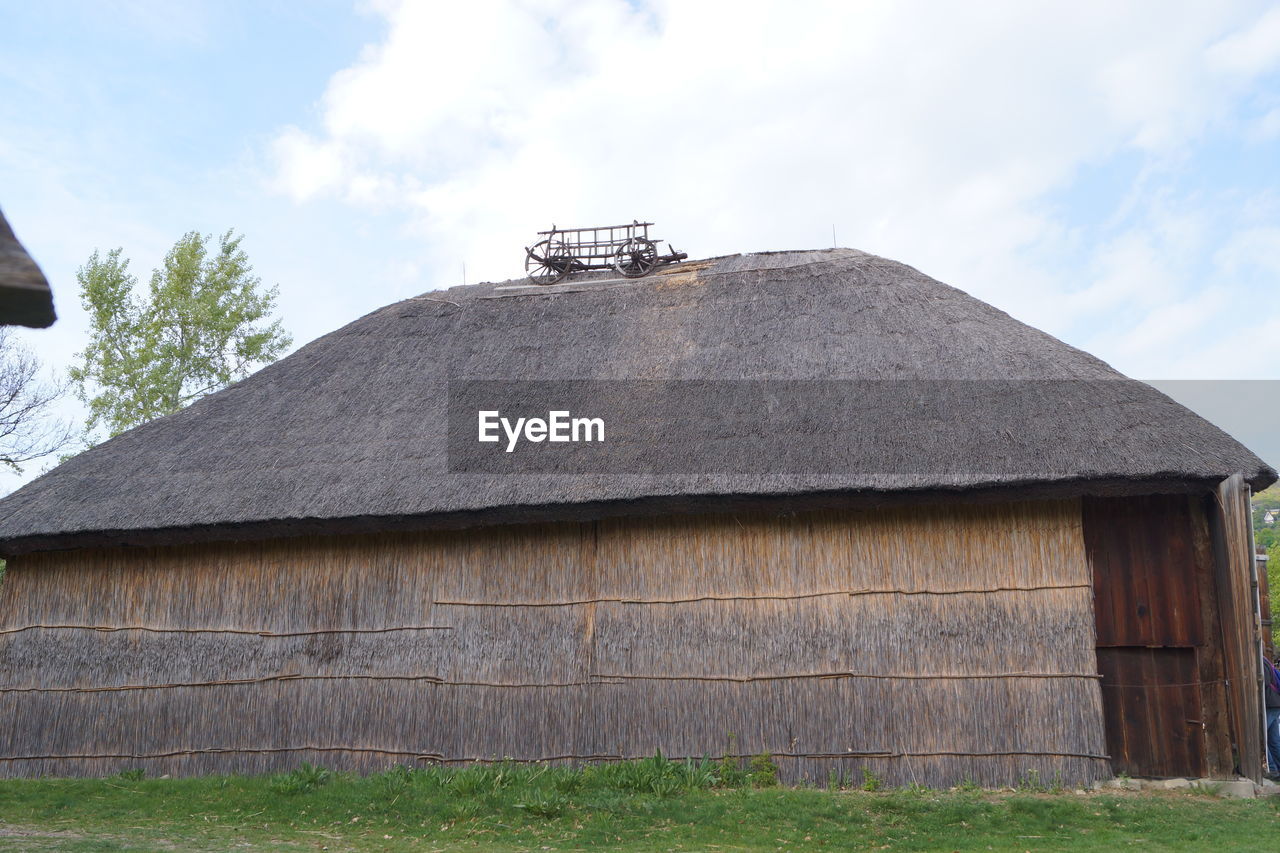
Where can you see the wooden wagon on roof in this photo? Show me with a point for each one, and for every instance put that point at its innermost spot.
(626, 249)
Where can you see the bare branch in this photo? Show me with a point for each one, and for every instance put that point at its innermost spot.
(28, 428)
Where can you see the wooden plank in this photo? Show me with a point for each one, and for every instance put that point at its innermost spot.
(1178, 701)
(1152, 704)
(1161, 591)
(1098, 535)
(1144, 571)
(1171, 571)
(1215, 715)
(1238, 608)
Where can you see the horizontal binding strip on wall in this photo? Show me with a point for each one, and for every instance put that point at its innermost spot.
(107, 629)
(796, 755)
(594, 680)
(1164, 684)
(763, 597)
(440, 759)
(429, 679)
(827, 675)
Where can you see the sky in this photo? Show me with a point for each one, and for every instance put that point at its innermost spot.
(1108, 172)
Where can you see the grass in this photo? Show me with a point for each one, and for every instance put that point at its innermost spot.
(653, 804)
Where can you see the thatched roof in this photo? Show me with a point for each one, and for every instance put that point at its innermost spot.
(946, 396)
(25, 299)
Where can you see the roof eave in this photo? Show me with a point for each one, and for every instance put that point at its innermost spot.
(599, 510)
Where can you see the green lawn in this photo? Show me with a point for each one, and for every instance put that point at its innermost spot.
(650, 805)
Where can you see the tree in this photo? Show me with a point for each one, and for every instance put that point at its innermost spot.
(1273, 586)
(28, 429)
(203, 324)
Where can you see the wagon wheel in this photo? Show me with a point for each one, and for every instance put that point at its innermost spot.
(548, 262)
(636, 257)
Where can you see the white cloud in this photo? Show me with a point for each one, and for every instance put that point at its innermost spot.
(1266, 128)
(1156, 336)
(1251, 50)
(307, 169)
(976, 142)
(1247, 351)
(1209, 327)
(928, 132)
(1252, 249)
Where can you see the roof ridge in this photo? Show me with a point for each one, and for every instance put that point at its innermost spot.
(467, 290)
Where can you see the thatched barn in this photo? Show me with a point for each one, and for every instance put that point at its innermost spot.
(25, 299)
(842, 514)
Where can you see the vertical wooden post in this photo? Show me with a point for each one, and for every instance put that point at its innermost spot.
(1238, 604)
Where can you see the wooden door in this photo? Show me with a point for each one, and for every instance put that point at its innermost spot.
(1152, 710)
(1149, 629)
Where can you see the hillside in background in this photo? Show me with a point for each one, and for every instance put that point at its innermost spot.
(1266, 535)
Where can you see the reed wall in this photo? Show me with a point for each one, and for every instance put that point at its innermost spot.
(927, 644)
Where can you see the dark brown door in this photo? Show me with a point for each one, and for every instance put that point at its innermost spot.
(1149, 624)
(1151, 705)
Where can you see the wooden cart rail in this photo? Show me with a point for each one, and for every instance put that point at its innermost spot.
(627, 249)
(597, 228)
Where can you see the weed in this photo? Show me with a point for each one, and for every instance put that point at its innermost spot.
(870, 781)
(732, 774)
(656, 775)
(430, 779)
(697, 775)
(463, 809)
(764, 773)
(838, 780)
(1030, 783)
(135, 774)
(665, 786)
(305, 778)
(968, 786)
(392, 783)
(568, 781)
(545, 804)
(472, 782)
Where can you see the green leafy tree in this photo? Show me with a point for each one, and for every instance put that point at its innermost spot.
(1273, 587)
(204, 323)
(1266, 537)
